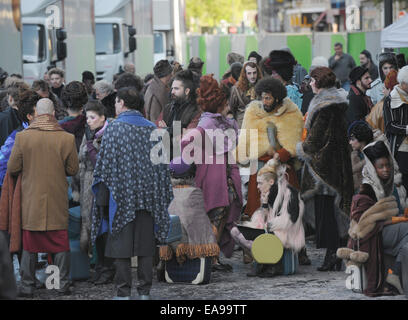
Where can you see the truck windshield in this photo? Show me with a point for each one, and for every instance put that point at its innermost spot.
(34, 43)
(107, 38)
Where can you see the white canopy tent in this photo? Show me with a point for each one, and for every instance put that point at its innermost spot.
(395, 35)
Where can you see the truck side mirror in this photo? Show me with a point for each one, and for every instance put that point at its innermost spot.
(61, 50)
(132, 31)
(132, 45)
(61, 34)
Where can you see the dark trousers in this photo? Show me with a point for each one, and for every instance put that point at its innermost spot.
(123, 276)
(27, 269)
(104, 264)
(327, 235)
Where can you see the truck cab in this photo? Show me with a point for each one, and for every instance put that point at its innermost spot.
(41, 46)
(114, 37)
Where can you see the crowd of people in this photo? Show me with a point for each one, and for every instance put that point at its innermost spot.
(329, 159)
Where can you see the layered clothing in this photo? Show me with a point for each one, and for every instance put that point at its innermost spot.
(281, 130)
(325, 151)
(219, 180)
(371, 208)
(134, 182)
(239, 101)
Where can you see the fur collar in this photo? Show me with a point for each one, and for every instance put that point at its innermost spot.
(370, 176)
(251, 146)
(382, 210)
(324, 99)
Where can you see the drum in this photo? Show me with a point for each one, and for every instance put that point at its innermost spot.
(267, 249)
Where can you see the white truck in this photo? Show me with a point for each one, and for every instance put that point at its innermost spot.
(168, 28)
(57, 33)
(114, 36)
(10, 37)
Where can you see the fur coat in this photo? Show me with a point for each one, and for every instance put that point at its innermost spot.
(287, 120)
(284, 219)
(327, 163)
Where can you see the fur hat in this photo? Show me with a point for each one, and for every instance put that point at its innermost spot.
(235, 57)
(162, 69)
(282, 62)
(357, 73)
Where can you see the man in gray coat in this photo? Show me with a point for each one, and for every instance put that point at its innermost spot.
(342, 64)
(158, 92)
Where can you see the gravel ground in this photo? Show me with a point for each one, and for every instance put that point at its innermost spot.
(306, 284)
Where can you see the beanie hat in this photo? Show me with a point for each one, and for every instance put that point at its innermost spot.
(179, 169)
(282, 62)
(162, 69)
(357, 73)
(391, 80)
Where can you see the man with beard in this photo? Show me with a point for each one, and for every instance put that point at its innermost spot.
(279, 124)
(182, 107)
(366, 61)
(243, 92)
(359, 103)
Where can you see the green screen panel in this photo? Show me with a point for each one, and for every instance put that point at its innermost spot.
(301, 47)
(356, 44)
(251, 45)
(225, 48)
(203, 52)
(335, 38)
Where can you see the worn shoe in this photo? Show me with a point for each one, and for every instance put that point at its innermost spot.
(394, 280)
(256, 270)
(303, 258)
(105, 278)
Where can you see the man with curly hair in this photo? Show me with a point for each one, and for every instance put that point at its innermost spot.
(243, 92)
(279, 124)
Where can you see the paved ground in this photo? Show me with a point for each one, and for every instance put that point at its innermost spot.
(307, 284)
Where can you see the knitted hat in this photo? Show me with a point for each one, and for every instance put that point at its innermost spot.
(391, 80)
(357, 73)
(179, 169)
(162, 69)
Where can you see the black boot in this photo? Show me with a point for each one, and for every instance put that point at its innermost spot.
(303, 258)
(331, 261)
